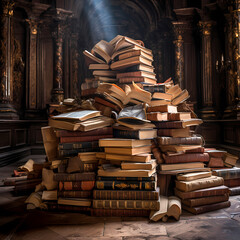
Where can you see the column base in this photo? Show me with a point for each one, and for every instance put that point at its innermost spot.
(57, 95)
(7, 111)
(229, 113)
(208, 113)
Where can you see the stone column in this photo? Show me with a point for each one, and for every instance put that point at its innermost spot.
(207, 110)
(178, 28)
(6, 12)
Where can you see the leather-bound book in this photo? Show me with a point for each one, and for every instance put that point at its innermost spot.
(184, 158)
(234, 191)
(83, 139)
(230, 173)
(75, 194)
(68, 177)
(232, 182)
(193, 176)
(74, 186)
(195, 140)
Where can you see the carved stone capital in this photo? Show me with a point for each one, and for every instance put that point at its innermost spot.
(206, 27)
(8, 6)
(33, 25)
(179, 29)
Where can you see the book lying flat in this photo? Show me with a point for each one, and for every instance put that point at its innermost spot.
(134, 166)
(134, 134)
(179, 124)
(181, 171)
(177, 148)
(230, 173)
(188, 157)
(165, 167)
(157, 116)
(193, 176)
(128, 151)
(145, 157)
(75, 202)
(181, 132)
(121, 142)
(163, 108)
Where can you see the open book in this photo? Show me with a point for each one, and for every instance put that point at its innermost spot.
(169, 207)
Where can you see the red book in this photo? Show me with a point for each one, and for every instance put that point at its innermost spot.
(189, 157)
(97, 132)
(196, 150)
(232, 182)
(74, 186)
(83, 139)
(215, 162)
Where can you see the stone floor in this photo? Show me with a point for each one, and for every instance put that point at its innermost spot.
(17, 223)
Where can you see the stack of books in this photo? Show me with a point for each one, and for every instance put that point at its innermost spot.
(201, 192)
(231, 178)
(126, 184)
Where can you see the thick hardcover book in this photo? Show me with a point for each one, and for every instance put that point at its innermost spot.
(181, 132)
(177, 148)
(130, 185)
(207, 208)
(75, 194)
(68, 208)
(75, 202)
(137, 80)
(184, 158)
(195, 140)
(234, 191)
(155, 88)
(125, 195)
(77, 145)
(127, 204)
(195, 202)
(157, 116)
(72, 177)
(136, 134)
(136, 74)
(83, 139)
(119, 212)
(147, 179)
(206, 192)
(179, 166)
(128, 151)
(163, 108)
(187, 186)
(75, 186)
(179, 116)
(230, 173)
(232, 182)
(96, 132)
(178, 124)
(107, 103)
(74, 152)
(193, 176)
(123, 142)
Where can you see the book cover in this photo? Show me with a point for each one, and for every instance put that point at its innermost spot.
(193, 176)
(178, 124)
(75, 194)
(230, 173)
(72, 177)
(181, 132)
(185, 158)
(77, 185)
(122, 142)
(77, 145)
(194, 140)
(148, 179)
(83, 139)
(232, 182)
(135, 134)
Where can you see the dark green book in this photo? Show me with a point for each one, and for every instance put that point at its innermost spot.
(126, 185)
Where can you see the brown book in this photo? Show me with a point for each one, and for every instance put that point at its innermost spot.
(179, 116)
(193, 176)
(163, 108)
(177, 148)
(75, 194)
(128, 151)
(132, 53)
(205, 192)
(179, 124)
(234, 191)
(125, 195)
(215, 162)
(75, 202)
(122, 142)
(107, 103)
(71, 177)
(88, 92)
(134, 166)
(127, 204)
(157, 116)
(105, 111)
(183, 171)
(216, 153)
(207, 208)
(187, 186)
(137, 80)
(188, 157)
(119, 212)
(75, 186)
(196, 150)
(160, 95)
(166, 167)
(82, 139)
(230, 159)
(98, 66)
(137, 74)
(145, 157)
(181, 132)
(194, 140)
(183, 96)
(232, 182)
(155, 103)
(195, 202)
(104, 73)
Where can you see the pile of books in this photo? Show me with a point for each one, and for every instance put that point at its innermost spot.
(201, 192)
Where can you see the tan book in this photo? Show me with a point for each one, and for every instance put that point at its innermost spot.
(98, 66)
(135, 166)
(50, 142)
(230, 159)
(50, 195)
(122, 142)
(127, 204)
(193, 176)
(165, 167)
(128, 151)
(164, 96)
(117, 172)
(163, 108)
(169, 207)
(87, 156)
(155, 103)
(183, 171)
(171, 132)
(181, 97)
(145, 157)
(75, 202)
(175, 90)
(179, 116)
(157, 116)
(104, 73)
(187, 186)
(136, 126)
(177, 148)
(101, 155)
(135, 53)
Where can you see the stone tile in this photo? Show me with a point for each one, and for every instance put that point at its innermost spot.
(94, 238)
(149, 238)
(86, 230)
(141, 228)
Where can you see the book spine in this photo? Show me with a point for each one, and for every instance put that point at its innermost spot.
(126, 204)
(74, 152)
(167, 124)
(97, 132)
(121, 185)
(73, 145)
(147, 179)
(179, 140)
(75, 194)
(205, 201)
(75, 186)
(90, 167)
(234, 191)
(187, 158)
(232, 182)
(200, 194)
(125, 195)
(228, 173)
(83, 139)
(119, 213)
(207, 208)
(64, 177)
(117, 133)
(58, 207)
(153, 89)
(130, 79)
